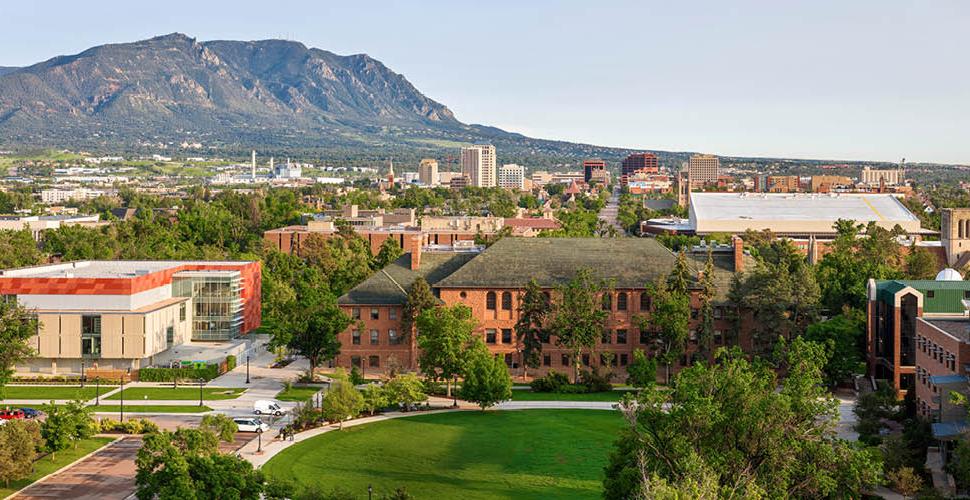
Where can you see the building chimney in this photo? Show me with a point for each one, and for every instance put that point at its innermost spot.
(738, 254)
(415, 241)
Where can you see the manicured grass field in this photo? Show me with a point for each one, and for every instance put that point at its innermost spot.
(297, 393)
(46, 393)
(45, 466)
(151, 408)
(524, 395)
(537, 454)
(176, 394)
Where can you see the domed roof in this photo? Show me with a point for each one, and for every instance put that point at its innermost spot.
(949, 274)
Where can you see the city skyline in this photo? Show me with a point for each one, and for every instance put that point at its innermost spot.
(854, 82)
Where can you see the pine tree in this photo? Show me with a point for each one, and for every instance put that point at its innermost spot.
(530, 328)
(705, 334)
(679, 278)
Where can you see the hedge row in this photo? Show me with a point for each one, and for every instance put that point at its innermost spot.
(171, 374)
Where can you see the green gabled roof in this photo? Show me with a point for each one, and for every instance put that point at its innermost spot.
(389, 286)
(627, 262)
(947, 295)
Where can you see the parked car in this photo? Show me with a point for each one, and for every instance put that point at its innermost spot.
(267, 407)
(247, 424)
(11, 414)
(31, 412)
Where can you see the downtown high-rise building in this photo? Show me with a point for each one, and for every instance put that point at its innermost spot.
(511, 176)
(703, 169)
(646, 162)
(478, 164)
(592, 166)
(428, 172)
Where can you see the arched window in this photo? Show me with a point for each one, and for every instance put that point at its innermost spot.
(548, 298)
(506, 301)
(607, 301)
(490, 301)
(621, 301)
(644, 301)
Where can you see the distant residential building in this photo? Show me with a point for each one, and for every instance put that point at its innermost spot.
(459, 181)
(38, 224)
(591, 166)
(891, 177)
(56, 196)
(645, 162)
(478, 163)
(117, 315)
(567, 177)
(704, 169)
(826, 183)
(428, 172)
(541, 178)
(777, 183)
(511, 176)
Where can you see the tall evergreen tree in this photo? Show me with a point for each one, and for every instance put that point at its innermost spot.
(578, 317)
(668, 324)
(679, 279)
(420, 299)
(530, 329)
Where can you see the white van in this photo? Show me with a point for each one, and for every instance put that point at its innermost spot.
(246, 424)
(267, 407)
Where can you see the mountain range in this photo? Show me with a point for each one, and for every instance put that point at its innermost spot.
(238, 95)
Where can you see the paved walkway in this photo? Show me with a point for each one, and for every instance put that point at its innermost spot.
(108, 473)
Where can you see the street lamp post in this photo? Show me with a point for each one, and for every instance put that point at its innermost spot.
(259, 446)
(82, 373)
(201, 385)
(370, 491)
(127, 372)
(247, 368)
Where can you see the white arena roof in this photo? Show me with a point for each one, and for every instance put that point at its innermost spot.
(785, 213)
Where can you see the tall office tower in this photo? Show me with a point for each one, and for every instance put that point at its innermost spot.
(428, 172)
(478, 163)
(640, 161)
(511, 176)
(589, 166)
(703, 169)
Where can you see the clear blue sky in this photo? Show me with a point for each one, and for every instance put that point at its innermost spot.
(860, 79)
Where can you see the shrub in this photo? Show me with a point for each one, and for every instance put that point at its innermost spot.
(107, 425)
(356, 377)
(434, 388)
(552, 382)
(148, 427)
(572, 389)
(595, 381)
(375, 398)
(405, 389)
(172, 374)
(279, 489)
(905, 481)
(230, 362)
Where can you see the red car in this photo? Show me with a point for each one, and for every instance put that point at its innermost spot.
(11, 414)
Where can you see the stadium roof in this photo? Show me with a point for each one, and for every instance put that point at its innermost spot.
(794, 214)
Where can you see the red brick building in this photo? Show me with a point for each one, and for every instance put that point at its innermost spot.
(492, 282)
(646, 162)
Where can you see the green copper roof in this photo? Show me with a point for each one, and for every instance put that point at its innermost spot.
(946, 298)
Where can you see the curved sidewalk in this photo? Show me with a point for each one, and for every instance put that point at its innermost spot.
(274, 446)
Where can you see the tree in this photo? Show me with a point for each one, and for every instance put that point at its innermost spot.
(389, 252)
(222, 426)
(679, 279)
(642, 371)
(18, 249)
(844, 271)
(708, 289)
(920, 264)
(530, 328)
(313, 333)
(443, 334)
(668, 324)
(733, 429)
(19, 440)
(82, 425)
(420, 299)
(187, 464)
(405, 389)
(578, 318)
(873, 410)
(17, 325)
(486, 377)
(57, 429)
(342, 401)
(375, 398)
(844, 339)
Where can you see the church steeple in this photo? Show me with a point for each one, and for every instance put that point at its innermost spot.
(390, 171)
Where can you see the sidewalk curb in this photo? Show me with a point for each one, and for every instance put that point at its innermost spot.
(58, 471)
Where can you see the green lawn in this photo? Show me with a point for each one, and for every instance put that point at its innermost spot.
(537, 454)
(176, 394)
(45, 465)
(47, 393)
(524, 395)
(151, 408)
(297, 393)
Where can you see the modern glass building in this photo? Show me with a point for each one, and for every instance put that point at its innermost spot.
(217, 302)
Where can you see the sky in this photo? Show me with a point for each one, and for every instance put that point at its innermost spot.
(855, 80)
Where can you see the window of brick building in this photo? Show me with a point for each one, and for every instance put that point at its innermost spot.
(375, 313)
(621, 336)
(718, 312)
(355, 361)
(621, 301)
(547, 297)
(490, 301)
(624, 359)
(392, 313)
(585, 359)
(644, 337)
(718, 337)
(506, 301)
(506, 335)
(565, 360)
(355, 337)
(374, 361)
(693, 313)
(490, 336)
(392, 337)
(644, 301)
(606, 337)
(508, 359)
(607, 302)
(355, 313)
(375, 337)
(546, 360)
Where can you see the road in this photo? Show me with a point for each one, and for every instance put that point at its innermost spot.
(609, 212)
